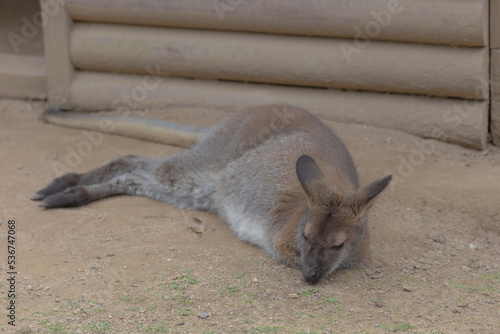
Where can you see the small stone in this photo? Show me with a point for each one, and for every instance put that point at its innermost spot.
(255, 280)
(378, 302)
(204, 315)
(172, 248)
(168, 260)
(472, 246)
(293, 296)
(213, 229)
(377, 325)
(66, 261)
(406, 288)
(124, 267)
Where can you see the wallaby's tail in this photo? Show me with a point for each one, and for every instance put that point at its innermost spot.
(141, 128)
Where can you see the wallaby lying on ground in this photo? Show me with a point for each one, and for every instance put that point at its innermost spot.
(278, 176)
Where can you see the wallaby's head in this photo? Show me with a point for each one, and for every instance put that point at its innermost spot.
(334, 224)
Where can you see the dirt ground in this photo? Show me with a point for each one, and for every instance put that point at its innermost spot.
(132, 265)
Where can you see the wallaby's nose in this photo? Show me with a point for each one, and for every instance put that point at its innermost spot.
(311, 275)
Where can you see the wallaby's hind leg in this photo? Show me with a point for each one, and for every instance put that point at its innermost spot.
(106, 172)
(129, 184)
(172, 180)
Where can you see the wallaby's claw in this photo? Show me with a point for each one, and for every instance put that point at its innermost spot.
(37, 197)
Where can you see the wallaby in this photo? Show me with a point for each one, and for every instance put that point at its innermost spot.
(277, 175)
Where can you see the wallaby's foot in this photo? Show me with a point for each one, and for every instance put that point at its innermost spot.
(74, 196)
(83, 194)
(112, 178)
(59, 184)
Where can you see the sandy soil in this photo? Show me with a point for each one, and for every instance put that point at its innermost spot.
(132, 265)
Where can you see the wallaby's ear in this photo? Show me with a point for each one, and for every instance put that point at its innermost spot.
(367, 194)
(310, 176)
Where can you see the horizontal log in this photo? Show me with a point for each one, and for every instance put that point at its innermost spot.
(448, 22)
(463, 122)
(291, 60)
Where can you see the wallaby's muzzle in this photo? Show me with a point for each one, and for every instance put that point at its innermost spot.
(311, 272)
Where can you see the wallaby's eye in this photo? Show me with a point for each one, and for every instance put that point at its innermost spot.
(336, 248)
(305, 239)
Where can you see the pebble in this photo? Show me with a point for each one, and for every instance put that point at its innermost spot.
(255, 280)
(377, 325)
(172, 248)
(378, 302)
(293, 296)
(213, 229)
(472, 246)
(406, 288)
(204, 315)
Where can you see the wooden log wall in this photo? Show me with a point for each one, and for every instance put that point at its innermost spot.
(446, 22)
(416, 66)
